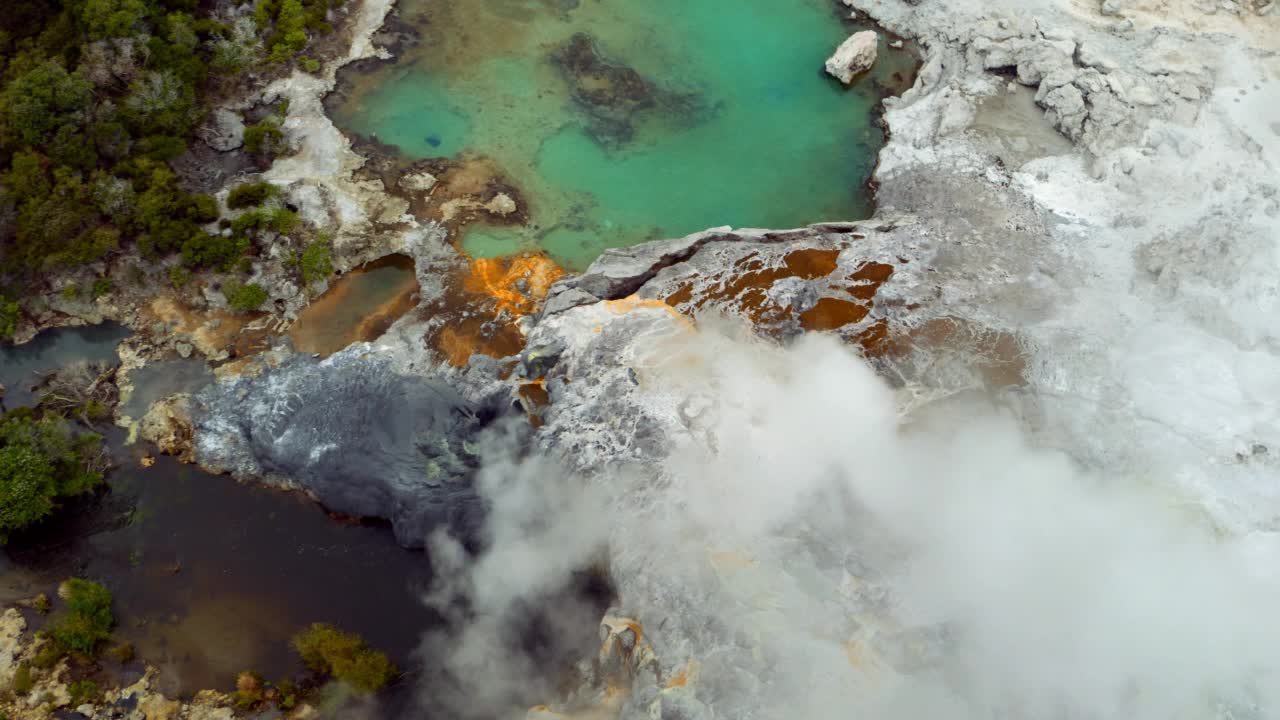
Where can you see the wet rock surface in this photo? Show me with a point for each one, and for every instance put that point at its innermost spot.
(362, 438)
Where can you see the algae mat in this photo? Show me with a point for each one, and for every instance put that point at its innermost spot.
(622, 122)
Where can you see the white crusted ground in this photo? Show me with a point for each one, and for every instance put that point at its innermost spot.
(1162, 358)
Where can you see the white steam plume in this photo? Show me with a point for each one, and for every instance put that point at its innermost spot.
(815, 555)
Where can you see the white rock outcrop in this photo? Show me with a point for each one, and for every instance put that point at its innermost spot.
(854, 56)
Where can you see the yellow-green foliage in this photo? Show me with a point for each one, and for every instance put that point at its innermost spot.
(84, 691)
(41, 461)
(329, 651)
(87, 621)
(23, 680)
(244, 298)
(316, 262)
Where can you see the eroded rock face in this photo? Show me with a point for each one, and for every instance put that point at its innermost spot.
(361, 437)
(854, 56)
(168, 425)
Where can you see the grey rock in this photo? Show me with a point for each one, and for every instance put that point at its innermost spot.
(362, 438)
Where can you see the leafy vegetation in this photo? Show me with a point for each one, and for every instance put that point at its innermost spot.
(329, 651)
(42, 460)
(316, 262)
(87, 622)
(97, 98)
(250, 195)
(84, 691)
(249, 690)
(244, 298)
(23, 681)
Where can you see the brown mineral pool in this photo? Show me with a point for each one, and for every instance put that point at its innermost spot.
(358, 307)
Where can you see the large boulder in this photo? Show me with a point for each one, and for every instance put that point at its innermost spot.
(854, 56)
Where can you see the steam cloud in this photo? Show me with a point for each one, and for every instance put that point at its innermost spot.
(817, 554)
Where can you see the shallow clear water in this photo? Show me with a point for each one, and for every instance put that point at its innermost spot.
(727, 119)
(22, 365)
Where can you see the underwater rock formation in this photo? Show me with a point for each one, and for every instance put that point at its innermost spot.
(614, 97)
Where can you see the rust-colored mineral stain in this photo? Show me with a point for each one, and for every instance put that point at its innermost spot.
(746, 289)
(458, 342)
(811, 263)
(536, 396)
(485, 300)
(681, 296)
(517, 283)
(536, 393)
(868, 279)
(831, 314)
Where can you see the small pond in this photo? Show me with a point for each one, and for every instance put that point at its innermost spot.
(621, 122)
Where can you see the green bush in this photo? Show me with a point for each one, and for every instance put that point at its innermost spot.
(179, 276)
(329, 651)
(250, 195)
(84, 691)
(87, 621)
(9, 312)
(244, 297)
(41, 461)
(264, 138)
(316, 262)
(23, 681)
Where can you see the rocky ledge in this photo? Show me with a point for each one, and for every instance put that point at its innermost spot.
(1079, 212)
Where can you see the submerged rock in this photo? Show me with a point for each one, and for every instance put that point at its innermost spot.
(854, 56)
(612, 95)
(355, 433)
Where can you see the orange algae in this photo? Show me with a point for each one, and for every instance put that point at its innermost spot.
(501, 279)
(485, 300)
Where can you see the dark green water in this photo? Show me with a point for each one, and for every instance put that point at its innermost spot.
(212, 577)
(727, 118)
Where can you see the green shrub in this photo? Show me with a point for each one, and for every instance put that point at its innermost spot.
(249, 691)
(310, 64)
(264, 138)
(179, 276)
(329, 651)
(316, 262)
(283, 220)
(101, 287)
(41, 604)
(84, 691)
(250, 195)
(87, 621)
(48, 656)
(23, 681)
(41, 461)
(9, 312)
(244, 297)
